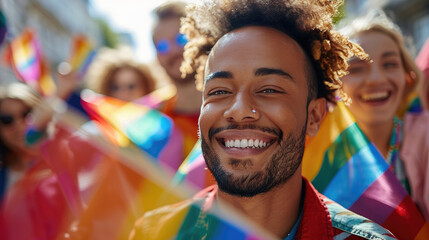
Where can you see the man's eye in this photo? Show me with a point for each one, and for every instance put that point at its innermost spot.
(218, 92)
(269, 90)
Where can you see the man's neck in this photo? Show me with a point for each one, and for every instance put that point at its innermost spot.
(188, 99)
(277, 210)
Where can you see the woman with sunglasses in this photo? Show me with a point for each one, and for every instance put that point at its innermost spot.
(379, 87)
(16, 102)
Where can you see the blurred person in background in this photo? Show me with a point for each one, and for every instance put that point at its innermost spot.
(184, 107)
(416, 140)
(115, 74)
(380, 87)
(16, 103)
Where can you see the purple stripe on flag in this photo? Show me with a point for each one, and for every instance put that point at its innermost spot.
(197, 172)
(381, 198)
(353, 179)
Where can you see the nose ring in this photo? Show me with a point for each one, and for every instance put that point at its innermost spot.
(253, 111)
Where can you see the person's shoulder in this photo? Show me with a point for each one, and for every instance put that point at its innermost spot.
(349, 225)
(172, 220)
(164, 222)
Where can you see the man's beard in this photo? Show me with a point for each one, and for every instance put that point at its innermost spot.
(281, 167)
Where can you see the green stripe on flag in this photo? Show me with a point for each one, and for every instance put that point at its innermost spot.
(347, 144)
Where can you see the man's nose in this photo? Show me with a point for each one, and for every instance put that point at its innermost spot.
(242, 109)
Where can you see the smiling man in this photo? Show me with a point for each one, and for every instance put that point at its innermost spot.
(267, 69)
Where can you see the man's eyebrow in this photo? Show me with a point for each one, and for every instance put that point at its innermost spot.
(270, 71)
(219, 74)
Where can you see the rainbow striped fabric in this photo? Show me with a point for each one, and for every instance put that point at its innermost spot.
(343, 165)
(150, 130)
(193, 172)
(3, 28)
(83, 188)
(81, 54)
(158, 97)
(29, 65)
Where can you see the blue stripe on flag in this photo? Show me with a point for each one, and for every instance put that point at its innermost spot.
(352, 180)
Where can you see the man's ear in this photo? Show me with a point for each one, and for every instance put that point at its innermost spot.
(316, 113)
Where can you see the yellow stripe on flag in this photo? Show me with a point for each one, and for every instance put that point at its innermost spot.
(334, 123)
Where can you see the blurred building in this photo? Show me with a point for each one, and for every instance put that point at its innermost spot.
(55, 22)
(127, 39)
(412, 16)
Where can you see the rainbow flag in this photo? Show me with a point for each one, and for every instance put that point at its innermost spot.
(193, 172)
(156, 98)
(82, 188)
(29, 65)
(3, 28)
(152, 131)
(82, 54)
(343, 165)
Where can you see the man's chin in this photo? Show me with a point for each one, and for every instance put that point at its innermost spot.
(243, 185)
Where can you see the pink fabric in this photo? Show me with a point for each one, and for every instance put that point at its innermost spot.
(415, 154)
(422, 62)
(423, 59)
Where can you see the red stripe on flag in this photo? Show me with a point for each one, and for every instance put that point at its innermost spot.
(380, 199)
(406, 221)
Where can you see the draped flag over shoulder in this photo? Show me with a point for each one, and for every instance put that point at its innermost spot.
(344, 166)
(81, 54)
(82, 188)
(28, 63)
(152, 131)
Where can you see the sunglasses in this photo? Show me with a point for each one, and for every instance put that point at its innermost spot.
(7, 120)
(164, 46)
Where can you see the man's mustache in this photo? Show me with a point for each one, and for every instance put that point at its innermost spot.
(275, 131)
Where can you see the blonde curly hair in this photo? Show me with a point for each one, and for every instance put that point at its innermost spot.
(309, 23)
(108, 62)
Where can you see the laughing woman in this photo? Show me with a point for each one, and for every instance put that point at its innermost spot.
(378, 88)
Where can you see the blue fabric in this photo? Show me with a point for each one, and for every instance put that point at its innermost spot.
(292, 234)
(3, 178)
(75, 102)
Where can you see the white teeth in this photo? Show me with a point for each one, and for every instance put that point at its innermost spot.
(374, 96)
(245, 143)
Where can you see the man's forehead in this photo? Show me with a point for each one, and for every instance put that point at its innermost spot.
(250, 40)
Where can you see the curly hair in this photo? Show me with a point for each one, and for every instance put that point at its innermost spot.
(309, 23)
(109, 62)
